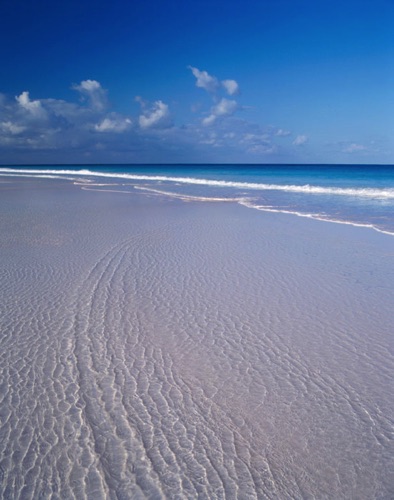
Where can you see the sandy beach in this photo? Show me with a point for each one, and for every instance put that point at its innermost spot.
(157, 348)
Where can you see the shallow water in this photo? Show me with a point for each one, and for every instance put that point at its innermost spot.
(360, 195)
(154, 348)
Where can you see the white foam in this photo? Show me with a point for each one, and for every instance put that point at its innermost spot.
(319, 217)
(186, 197)
(383, 193)
(42, 176)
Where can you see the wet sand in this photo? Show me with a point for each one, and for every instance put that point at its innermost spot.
(154, 348)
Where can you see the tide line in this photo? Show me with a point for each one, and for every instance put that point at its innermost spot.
(187, 197)
(263, 208)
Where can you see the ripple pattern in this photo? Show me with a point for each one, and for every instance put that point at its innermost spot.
(190, 352)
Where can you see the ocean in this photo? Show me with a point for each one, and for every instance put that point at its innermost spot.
(209, 332)
(361, 195)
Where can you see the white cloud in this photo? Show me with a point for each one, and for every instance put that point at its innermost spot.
(117, 125)
(140, 101)
(255, 138)
(225, 107)
(89, 85)
(282, 133)
(231, 86)
(58, 125)
(94, 92)
(74, 131)
(300, 140)
(158, 116)
(204, 80)
(222, 106)
(33, 107)
(209, 120)
(265, 149)
(11, 128)
(258, 143)
(354, 148)
(211, 84)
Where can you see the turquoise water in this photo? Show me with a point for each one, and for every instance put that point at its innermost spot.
(353, 194)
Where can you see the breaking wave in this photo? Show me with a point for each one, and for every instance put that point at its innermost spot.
(378, 193)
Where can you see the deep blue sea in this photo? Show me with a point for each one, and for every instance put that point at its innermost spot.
(348, 194)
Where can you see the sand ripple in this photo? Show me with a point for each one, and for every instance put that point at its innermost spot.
(194, 357)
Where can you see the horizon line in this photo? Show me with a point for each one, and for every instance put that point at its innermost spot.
(10, 165)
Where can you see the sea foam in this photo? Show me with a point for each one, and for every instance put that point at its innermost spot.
(378, 193)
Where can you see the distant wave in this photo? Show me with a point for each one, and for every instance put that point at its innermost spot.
(384, 193)
(40, 176)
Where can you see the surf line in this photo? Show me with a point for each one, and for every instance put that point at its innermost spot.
(384, 193)
(318, 217)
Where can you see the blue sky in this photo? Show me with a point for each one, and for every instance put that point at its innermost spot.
(273, 81)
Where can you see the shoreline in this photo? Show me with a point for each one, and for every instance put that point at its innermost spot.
(263, 195)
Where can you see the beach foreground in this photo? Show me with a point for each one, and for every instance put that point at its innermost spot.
(152, 347)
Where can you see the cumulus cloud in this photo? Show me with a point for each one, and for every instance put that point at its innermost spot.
(204, 80)
(86, 129)
(300, 140)
(89, 86)
(94, 93)
(225, 107)
(212, 84)
(11, 128)
(222, 106)
(157, 116)
(231, 86)
(50, 125)
(116, 125)
(33, 107)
